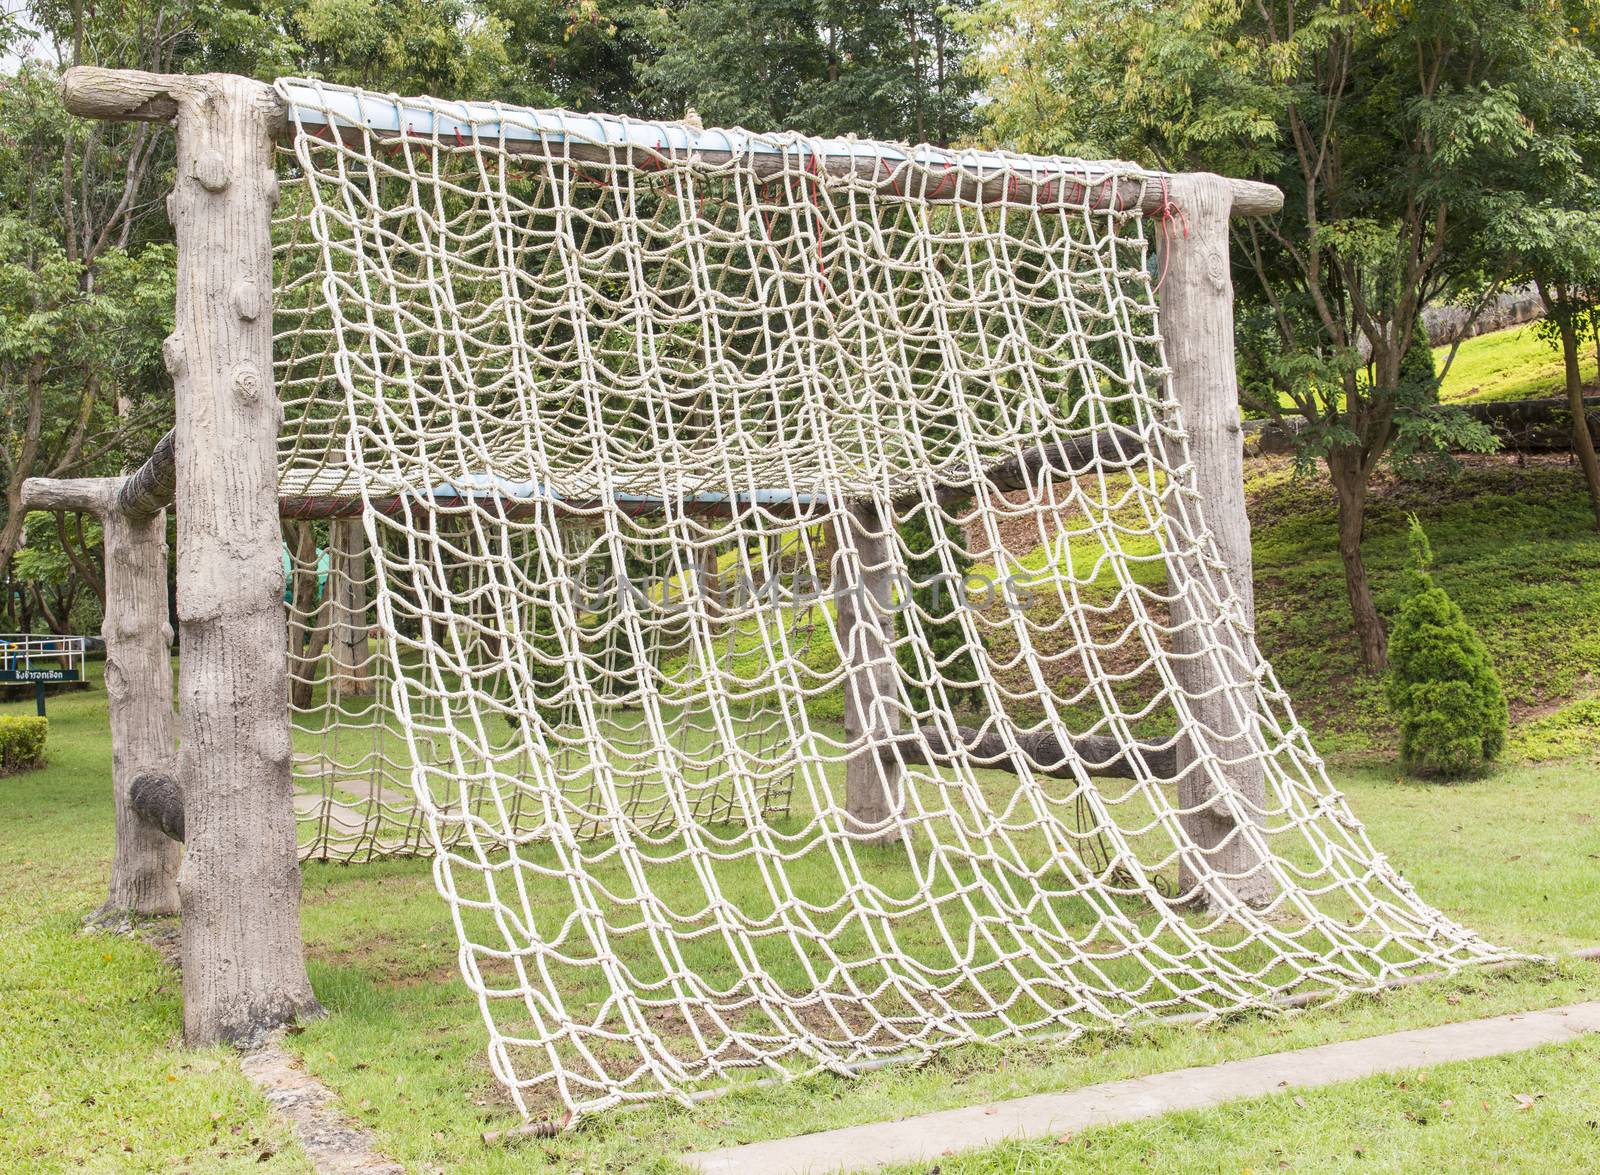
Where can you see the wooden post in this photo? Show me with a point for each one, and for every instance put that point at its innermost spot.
(1197, 324)
(351, 672)
(864, 602)
(138, 676)
(243, 963)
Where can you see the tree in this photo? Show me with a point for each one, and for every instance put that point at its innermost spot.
(78, 348)
(826, 67)
(1569, 315)
(1396, 132)
(1442, 687)
(1548, 233)
(85, 274)
(57, 567)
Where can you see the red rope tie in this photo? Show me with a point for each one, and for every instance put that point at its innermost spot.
(1166, 213)
(814, 168)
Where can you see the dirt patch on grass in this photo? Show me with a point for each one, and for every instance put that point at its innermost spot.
(391, 960)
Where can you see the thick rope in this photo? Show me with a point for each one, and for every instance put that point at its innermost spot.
(643, 443)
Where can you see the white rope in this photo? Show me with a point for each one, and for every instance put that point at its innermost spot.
(734, 814)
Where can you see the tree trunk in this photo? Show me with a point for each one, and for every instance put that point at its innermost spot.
(1221, 783)
(138, 677)
(351, 673)
(308, 617)
(863, 595)
(1351, 488)
(243, 962)
(1582, 438)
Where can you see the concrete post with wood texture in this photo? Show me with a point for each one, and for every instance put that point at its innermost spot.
(243, 963)
(863, 593)
(351, 674)
(1196, 315)
(138, 678)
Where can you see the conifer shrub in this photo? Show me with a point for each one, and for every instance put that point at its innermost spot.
(1442, 687)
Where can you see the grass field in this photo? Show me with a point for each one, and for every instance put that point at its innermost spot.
(96, 1079)
(1510, 364)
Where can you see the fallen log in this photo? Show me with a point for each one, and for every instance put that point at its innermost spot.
(1040, 752)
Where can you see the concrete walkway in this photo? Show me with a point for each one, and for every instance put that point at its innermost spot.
(924, 1138)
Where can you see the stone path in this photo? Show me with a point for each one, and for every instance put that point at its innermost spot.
(335, 1144)
(927, 1137)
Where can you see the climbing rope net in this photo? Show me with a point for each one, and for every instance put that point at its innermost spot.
(793, 631)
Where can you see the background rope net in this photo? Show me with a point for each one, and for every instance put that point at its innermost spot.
(794, 633)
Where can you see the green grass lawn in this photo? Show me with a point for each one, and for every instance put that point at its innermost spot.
(1514, 544)
(96, 1079)
(1510, 364)
(1461, 1117)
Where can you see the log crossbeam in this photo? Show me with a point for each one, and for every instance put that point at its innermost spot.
(1038, 752)
(152, 485)
(136, 96)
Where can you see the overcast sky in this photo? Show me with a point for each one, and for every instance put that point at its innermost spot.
(12, 57)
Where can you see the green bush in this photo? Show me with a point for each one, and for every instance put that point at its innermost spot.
(21, 743)
(1442, 687)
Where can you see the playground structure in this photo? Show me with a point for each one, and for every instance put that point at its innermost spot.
(40, 660)
(827, 820)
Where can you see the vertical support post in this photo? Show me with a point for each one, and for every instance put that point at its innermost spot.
(138, 680)
(863, 593)
(351, 673)
(1214, 607)
(244, 968)
(144, 729)
(243, 963)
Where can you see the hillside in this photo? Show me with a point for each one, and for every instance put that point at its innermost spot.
(1514, 546)
(1510, 364)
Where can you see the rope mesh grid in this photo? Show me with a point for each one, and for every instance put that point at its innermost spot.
(750, 725)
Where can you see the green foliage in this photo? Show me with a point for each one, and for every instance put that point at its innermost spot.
(22, 739)
(1442, 687)
(935, 595)
(820, 66)
(1403, 137)
(1417, 367)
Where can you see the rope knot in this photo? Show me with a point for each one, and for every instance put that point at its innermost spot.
(1166, 213)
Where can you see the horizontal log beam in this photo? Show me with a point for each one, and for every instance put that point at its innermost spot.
(148, 490)
(126, 95)
(1110, 448)
(87, 495)
(306, 507)
(1042, 753)
(157, 800)
(133, 95)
